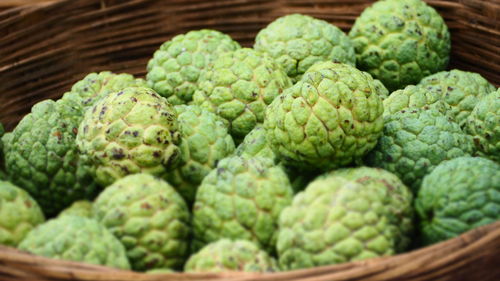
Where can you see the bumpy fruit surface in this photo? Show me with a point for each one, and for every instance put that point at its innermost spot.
(82, 208)
(19, 214)
(414, 97)
(330, 118)
(239, 86)
(241, 199)
(334, 221)
(205, 140)
(131, 131)
(95, 86)
(175, 69)
(459, 195)
(415, 141)
(76, 238)
(227, 255)
(41, 156)
(400, 199)
(150, 219)
(400, 42)
(2, 132)
(483, 124)
(461, 90)
(298, 41)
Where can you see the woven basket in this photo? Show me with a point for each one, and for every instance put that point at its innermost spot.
(46, 47)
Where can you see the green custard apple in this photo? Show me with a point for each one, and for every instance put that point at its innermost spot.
(76, 238)
(2, 132)
(241, 199)
(149, 218)
(335, 220)
(41, 156)
(400, 42)
(331, 118)
(483, 124)
(176, 67)
(415, 141)
(461, 90)
(414, 97)
(457, 196)
(19, 214)
(226, 255)
(128, 132)
(205, 141)
(82, 208)
(298, 41)
(239, 86)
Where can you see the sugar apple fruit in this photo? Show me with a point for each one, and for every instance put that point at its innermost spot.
(82, 208)
(131, 131)
(461, 90)
(76, 238)
(175, 69)
(41, 156)
(227, 255)
(241, 199)
(331, 118)
(19, 214)
(206, 140)
(335, 220)
(95, 86)
(415, 141)
(400, 42)
(457, 196)
(150, 219)
(483, 124)
(414, 97)
(298, 41)
(2, 132)
(399, 196)
(239, 86)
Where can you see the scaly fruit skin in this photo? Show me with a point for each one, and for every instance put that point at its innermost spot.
(128, 132)
(241, 199)
(2, 132)
(95, 86)
(239, 86)
(459, 195)
(334, 221)
(330, 118)
(150, 219)
(414, 97)
(19, 214)
(298, 41)
(205, 141)
(400, 42)
(226, 255)
(41, 156)
(461, 90)
(400, 199)
(82, 208)
(175, 69)
(483, 124)
(415, 141)
(77, 239)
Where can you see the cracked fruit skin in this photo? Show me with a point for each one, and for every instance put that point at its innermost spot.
(226, 255)
(205, 141)
(483, 124)
(400, 199)
(298, 41)
(331, 118)
(459, 195)
(41, 156)
(400, 42)
(241, 199)
(78, 239)
(335, 220)
(176, 67)
(150, 219)
(415, 141)
(128, 132)
(19, 214)
(82, 208)
(461, 90)
(239, 86)
(414, 97)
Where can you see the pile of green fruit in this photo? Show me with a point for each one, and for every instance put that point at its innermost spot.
(313, 148)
